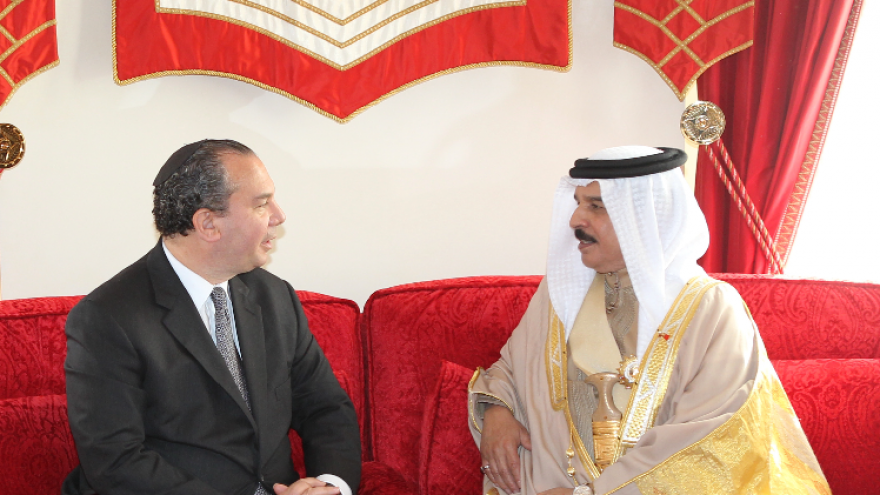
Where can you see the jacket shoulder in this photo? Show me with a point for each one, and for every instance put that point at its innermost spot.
(261, 280)
(129, 282)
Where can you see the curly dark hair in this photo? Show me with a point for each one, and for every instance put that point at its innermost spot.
(201, 182)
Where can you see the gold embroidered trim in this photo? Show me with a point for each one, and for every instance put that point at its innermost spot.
(801, 190)
(471, 400)
(13, 4)
(330, 17)
(328, 39)
(314, 107)
(5, 75)
(687, 7)
(334, 19)
(658, 362)
(782, 470)
(556, 361)
(681, 94)
(30, 76)
(705, 24)
(6, 34)
(557, 375)
(682, 45)
(471, 393)
(323, 13)
(15, 46)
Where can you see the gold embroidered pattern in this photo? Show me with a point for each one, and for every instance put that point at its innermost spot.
(681, 94)
(334, 19)
(658, 362)
(328, 39)
(682, 45)
(16, 44)
(307, 104)
(557, 375)
(557, 372)
(758, 450)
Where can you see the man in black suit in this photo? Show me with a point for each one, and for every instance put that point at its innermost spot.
(175, 388)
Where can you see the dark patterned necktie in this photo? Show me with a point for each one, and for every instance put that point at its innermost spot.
(226, 346)
(226, 342)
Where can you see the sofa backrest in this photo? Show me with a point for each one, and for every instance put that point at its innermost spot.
(33, 345)
(335, 324)
(824, 340)
(812, 319)
(32, 351)
(812, 330)
(409, 331)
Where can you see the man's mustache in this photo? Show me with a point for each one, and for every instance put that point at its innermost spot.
(583, 236)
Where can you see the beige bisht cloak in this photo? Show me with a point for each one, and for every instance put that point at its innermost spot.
(722, 424)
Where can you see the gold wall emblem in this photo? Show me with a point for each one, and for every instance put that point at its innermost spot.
(11, 146)
(702, 122)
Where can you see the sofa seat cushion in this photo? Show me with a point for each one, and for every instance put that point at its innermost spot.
(36, 447)
(450, 459)
(837, 402)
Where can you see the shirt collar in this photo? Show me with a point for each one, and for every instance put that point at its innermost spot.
(198, 288)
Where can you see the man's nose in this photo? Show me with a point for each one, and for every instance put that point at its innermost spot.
(578, 219)
(278, 216)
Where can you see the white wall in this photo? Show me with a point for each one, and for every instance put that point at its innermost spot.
(451, 178)
(837, 238)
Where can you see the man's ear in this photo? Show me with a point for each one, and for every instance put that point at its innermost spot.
(205, 225)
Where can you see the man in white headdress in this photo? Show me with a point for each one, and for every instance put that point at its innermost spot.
(632, 371)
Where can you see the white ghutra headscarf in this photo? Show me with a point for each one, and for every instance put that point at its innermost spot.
(661, 230)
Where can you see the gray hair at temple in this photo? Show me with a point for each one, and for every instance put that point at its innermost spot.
(199, 180)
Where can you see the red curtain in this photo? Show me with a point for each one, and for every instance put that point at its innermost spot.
(777, 97)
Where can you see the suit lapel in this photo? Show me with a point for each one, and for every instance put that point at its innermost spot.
(249, 324)
(184, 322)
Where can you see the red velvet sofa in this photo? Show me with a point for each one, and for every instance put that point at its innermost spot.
(36, 447)
(407, 359)
(423, 341)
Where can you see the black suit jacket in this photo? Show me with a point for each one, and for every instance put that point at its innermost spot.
(153, 408)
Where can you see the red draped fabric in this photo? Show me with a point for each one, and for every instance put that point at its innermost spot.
(681, 40)
(778, 97)
(153, 41)
(28, 45)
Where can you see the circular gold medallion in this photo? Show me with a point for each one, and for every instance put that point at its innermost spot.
(11, 146)
(702, 122)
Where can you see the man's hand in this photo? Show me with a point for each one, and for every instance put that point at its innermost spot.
(306, 486)
(502, 435)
